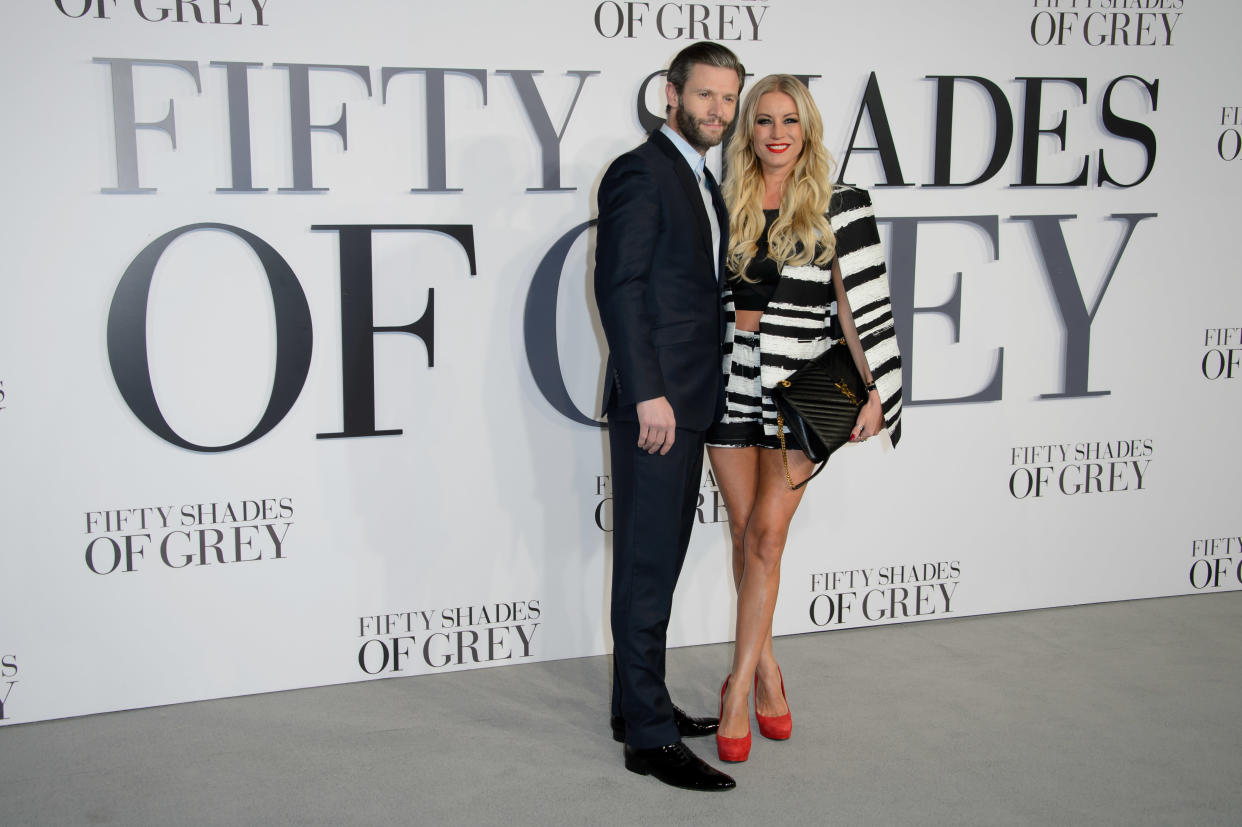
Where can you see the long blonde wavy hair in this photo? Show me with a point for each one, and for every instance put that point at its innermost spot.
(801, 233)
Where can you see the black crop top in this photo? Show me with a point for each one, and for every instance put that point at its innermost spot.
(765, 274)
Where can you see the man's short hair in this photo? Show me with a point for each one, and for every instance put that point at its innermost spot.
(708, 54)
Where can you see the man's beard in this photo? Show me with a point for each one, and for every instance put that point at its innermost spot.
(692, 133)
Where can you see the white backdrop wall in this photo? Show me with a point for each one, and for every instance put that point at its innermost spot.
(222, 477)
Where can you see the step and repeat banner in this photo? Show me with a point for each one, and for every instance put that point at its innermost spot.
(300, 365)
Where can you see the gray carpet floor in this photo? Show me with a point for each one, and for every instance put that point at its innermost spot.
(1122, 713)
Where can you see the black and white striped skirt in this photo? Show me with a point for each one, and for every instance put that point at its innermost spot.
(742, 423)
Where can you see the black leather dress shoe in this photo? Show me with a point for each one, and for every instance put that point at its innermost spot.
(687, 727)
(677, 766)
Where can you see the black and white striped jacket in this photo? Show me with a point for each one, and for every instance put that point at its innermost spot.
(797, 324)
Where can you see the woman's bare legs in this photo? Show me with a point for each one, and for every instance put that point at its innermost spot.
(761, 506)
(737, 477)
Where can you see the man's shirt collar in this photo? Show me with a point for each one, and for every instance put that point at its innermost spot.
(692, 156)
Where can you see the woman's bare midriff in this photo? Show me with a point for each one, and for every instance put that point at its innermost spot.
(747, 320)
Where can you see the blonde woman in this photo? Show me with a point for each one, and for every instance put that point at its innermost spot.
(797, 245)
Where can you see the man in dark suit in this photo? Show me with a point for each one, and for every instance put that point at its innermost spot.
(659, 258)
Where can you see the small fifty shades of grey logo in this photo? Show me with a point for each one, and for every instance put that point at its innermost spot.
(395, 642)
(885, 593)
(1222, 356)
(739, 21)
(1116, 23)
(207, 12)
(1070, 469)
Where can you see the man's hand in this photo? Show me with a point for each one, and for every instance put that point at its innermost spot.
(656, 425)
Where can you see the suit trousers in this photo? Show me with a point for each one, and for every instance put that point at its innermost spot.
(654, 499)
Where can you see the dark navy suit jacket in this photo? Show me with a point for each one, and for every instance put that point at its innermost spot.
(656, 287)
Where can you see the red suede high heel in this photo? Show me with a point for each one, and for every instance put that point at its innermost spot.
(732, 749)
(776, 727)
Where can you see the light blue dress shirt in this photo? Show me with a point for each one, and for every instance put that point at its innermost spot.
(697, 163)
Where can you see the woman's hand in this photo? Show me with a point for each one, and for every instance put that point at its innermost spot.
(870, 419)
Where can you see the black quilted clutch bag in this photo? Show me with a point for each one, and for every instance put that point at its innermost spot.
(819, 403)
